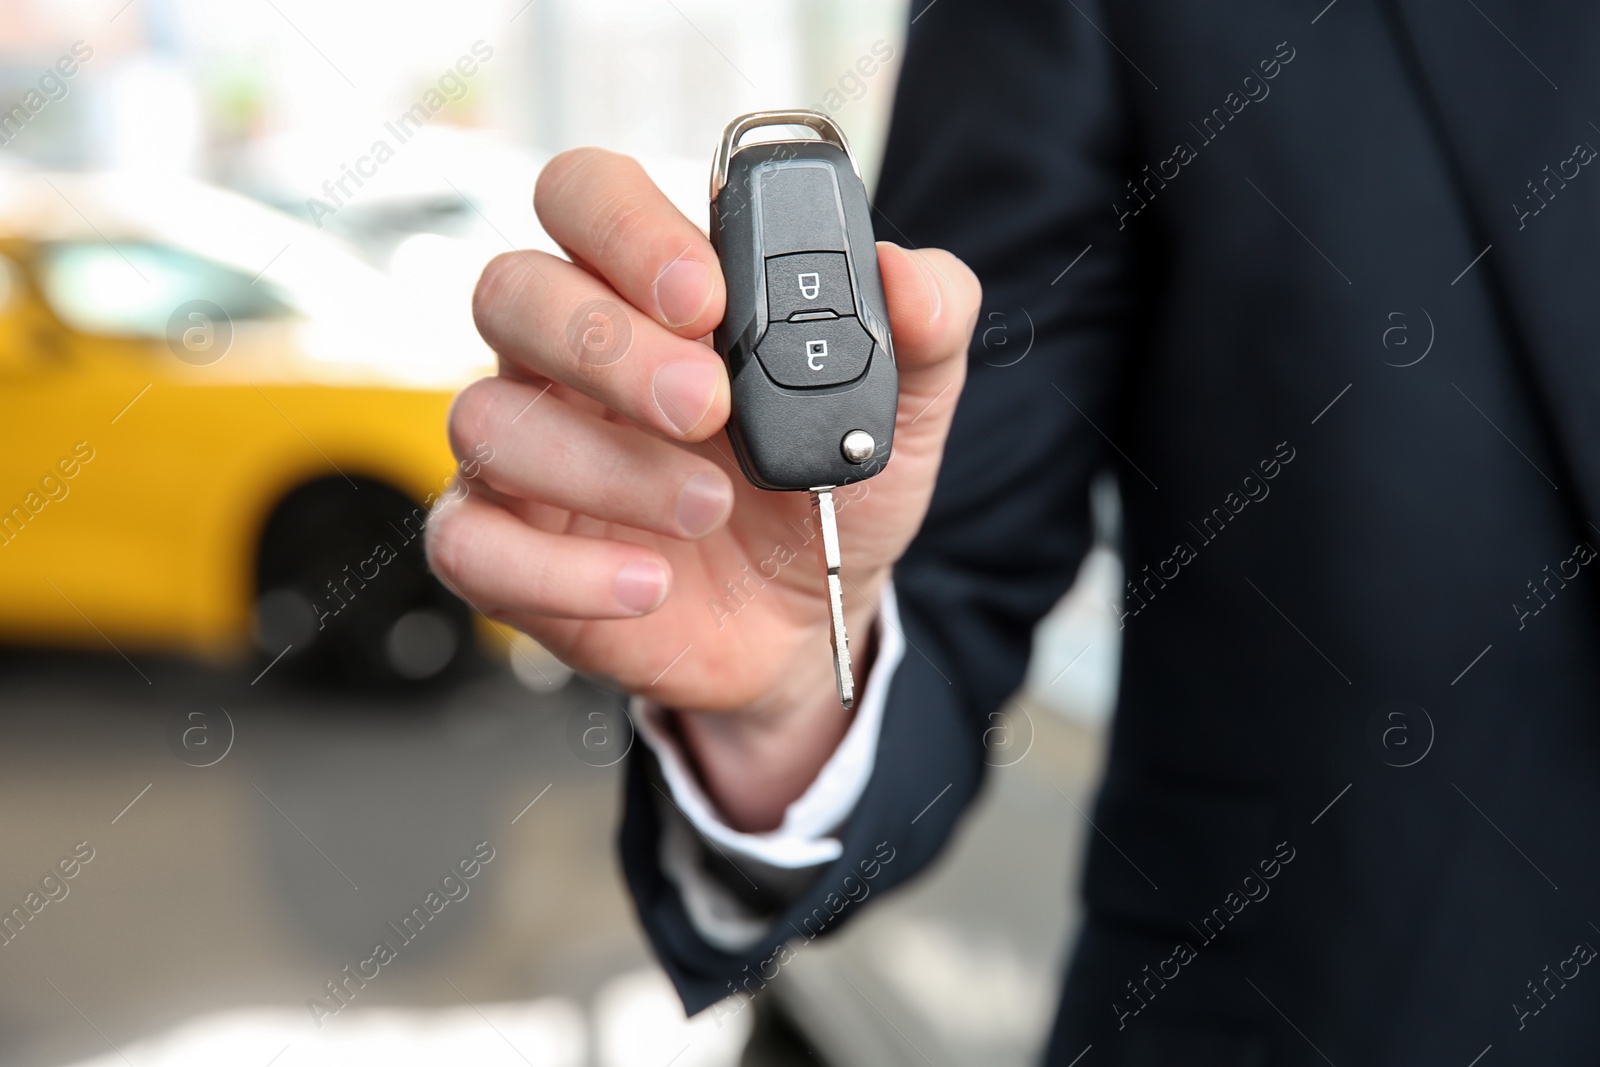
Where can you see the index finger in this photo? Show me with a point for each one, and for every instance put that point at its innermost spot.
(604, 210)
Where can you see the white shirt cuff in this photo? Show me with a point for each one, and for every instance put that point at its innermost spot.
(805, 837)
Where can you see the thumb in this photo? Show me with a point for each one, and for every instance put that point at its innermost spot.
(933, 301)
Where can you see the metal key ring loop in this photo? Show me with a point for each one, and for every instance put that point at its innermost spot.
(825, 128)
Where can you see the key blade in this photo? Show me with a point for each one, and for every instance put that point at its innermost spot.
(823, 500)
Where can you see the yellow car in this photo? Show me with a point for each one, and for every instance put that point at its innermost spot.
(219, 431)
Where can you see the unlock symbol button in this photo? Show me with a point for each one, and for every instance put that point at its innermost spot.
(815, 354)
(810, 284)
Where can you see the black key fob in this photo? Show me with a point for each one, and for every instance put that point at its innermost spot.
(806, 333)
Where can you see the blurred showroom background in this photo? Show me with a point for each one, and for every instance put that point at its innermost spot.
(237, 246)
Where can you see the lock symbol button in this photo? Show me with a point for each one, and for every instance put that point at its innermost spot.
(806, 283)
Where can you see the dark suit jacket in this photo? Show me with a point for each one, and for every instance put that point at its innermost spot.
(1321, 286)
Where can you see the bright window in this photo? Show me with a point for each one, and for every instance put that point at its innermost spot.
(132, 288)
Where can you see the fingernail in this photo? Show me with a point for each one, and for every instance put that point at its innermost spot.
(684, 391)
(641, 586)
(683, 290)
(703, 502)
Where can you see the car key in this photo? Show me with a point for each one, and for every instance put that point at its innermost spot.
(806, 331)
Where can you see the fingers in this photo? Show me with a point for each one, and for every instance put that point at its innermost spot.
(546, 450)
(499, 564)
(557, 321)
(933, 303)
(933, 306)
(606, 211)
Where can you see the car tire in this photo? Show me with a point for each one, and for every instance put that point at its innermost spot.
(343, 593)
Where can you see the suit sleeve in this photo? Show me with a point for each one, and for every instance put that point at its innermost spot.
(1008, 148)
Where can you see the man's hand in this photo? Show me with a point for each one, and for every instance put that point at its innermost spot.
(614, 517)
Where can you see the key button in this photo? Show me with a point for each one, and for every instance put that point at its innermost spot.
(803, 355)
(808, 281)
